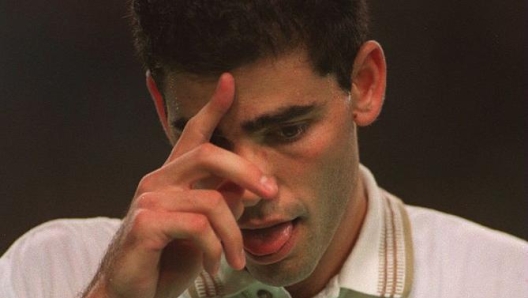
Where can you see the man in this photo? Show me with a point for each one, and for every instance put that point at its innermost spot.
(263, 194)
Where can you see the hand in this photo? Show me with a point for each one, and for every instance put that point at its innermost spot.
(174, 230)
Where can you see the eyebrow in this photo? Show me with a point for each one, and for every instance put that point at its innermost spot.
(281, 115)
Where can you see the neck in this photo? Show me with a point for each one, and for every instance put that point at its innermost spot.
(343, 241)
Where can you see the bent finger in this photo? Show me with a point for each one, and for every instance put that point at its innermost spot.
(210, 203)
(199, 230)
(208, 160)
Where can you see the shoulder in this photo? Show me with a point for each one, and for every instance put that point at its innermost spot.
(433, 228)
(455, 257)
(67, 249)
(65, 236)
(98, 226)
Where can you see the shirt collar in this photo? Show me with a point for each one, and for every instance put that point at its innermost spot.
(380, 264)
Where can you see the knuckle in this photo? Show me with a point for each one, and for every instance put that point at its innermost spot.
(140, 217)
(215, 201)
(147, 182)
(200, 224)
(204, 154)
(146, 200)
(142, 230)
(140, 220)
(216, 251)
(205, 151)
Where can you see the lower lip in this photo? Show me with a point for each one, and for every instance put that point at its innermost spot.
(280, 254)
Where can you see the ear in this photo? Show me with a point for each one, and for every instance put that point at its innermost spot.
(369, 79)
(159, 103)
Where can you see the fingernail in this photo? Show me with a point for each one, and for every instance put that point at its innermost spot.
(243, 258)
(215, 269)
(268, 183)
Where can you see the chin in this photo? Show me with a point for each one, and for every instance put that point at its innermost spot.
(281, 274)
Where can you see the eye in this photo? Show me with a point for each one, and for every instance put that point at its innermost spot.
(221, 142)
(287, 133)
(290, 132)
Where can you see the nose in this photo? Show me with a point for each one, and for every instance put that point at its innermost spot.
(236, 198)
(258, 156)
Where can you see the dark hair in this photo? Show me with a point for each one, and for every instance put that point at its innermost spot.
(210, 37)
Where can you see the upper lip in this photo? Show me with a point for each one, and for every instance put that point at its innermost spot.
(261, 224)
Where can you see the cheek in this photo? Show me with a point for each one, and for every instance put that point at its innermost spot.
(307, 161)
(329, 141)
(318, 159)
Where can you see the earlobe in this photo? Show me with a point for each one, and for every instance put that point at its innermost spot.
(368, 83)
(159, 103)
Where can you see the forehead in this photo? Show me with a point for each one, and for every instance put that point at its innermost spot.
(266, 85)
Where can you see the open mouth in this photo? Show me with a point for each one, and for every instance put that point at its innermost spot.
(268, 241)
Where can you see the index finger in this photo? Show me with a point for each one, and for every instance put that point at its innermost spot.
(201, 126)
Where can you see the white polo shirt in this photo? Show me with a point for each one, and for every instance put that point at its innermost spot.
(401, 251)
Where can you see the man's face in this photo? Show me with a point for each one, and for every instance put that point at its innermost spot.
(298, 128)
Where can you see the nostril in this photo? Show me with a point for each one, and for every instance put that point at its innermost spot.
(250, 199)
(234, 192)
(231, 187)
(235, 198)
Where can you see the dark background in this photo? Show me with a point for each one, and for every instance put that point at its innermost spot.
(78, 130)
